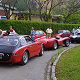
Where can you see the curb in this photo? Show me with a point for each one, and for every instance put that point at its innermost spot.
(55, 62)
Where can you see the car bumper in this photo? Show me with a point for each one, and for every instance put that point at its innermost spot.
(10, 58)
(75, 39)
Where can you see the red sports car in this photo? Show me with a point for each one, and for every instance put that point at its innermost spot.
(63, 33)
(53, 42)
(16, 49)
(39, 34)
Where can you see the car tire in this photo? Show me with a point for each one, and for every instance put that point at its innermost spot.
(42, 51)
(55, 45)
(67, 42)
(25, 58)
(72, 41)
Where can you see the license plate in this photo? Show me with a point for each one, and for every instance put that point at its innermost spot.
(1, 55)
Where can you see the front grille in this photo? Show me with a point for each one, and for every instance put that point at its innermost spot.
(5, 56)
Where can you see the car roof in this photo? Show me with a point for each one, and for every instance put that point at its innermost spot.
(63, 30)
(38, 30)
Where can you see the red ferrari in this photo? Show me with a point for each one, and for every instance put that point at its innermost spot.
(63, 33)
(53, 42)
(15, 49)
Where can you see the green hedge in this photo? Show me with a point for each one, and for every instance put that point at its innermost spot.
(24, 27)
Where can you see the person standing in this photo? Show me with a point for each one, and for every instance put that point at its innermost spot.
(12, 32)
(32, 33)
(1, 33)
(74, 30)
(49, 32)
(78, 30)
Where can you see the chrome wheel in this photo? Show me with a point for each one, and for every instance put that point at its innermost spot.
(55, 45)
(67, 43)
(24, 58)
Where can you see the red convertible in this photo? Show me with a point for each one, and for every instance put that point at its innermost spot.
(53, 42)
(63, 33)
(16, 49)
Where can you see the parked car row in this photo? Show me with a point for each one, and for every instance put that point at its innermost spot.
(19, 48)
(53, 42)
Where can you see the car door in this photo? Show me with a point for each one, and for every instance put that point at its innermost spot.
(33, 47)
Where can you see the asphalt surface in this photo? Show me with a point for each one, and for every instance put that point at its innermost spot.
(33, 70)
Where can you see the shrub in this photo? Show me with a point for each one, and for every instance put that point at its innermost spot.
(74, 19)
(24, 27)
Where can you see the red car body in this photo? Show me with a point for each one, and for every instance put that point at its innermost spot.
(15, 55)
(39, 34)
(62, 33)
(48, 42)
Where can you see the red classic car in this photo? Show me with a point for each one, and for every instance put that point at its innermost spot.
(53, 42)
(63, 33)
(16, 49)
(39, 34)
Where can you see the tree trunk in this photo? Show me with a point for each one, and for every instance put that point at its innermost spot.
(51, 6)
(6, 14)
(45, 17)
(40, 16)
(30, 14)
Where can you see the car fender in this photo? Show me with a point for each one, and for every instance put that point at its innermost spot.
(17, 54)
(50, 42)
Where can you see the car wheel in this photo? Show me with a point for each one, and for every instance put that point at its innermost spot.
(42, 51)
(67, 43)
(55, 45)
(24, 58)
(72, 41)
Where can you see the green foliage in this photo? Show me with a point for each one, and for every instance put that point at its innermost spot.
(74, 19)
(47, 15)
(26, 14)
(59, 18)
(24, 27)
(20, 5)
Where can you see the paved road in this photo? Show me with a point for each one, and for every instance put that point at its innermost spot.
(33, 70)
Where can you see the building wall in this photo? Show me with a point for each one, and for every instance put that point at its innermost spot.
(14, 17)
(35, 18)
(2, 13)
(38, 19)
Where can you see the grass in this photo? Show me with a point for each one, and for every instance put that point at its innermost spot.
(54, 56)
(60, 49)
(68, 67)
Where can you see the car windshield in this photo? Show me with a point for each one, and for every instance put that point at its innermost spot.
(60, 31)
(8, 41)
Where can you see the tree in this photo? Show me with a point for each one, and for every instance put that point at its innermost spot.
(72, 7)
(30, 5)
(21, 6)
(7, 6)
(47, 6)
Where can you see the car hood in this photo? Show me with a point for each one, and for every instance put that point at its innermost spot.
(7, 49)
